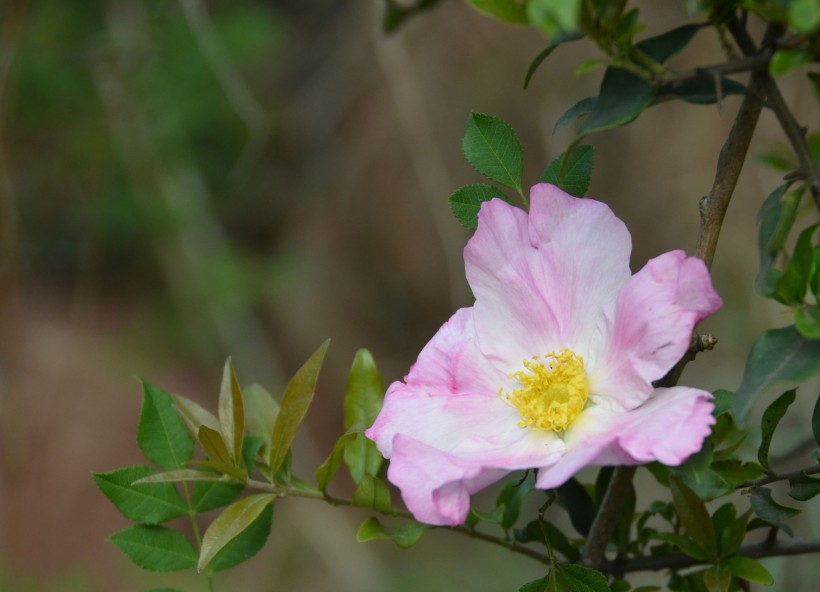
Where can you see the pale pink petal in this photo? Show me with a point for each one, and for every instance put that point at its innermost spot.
(436, 486)
(651, 325)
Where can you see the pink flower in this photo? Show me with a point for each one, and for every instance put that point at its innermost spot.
(552, 368)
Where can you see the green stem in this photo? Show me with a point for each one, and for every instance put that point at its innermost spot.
(195, 527)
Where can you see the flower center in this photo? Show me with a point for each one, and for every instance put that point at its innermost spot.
(554, 391)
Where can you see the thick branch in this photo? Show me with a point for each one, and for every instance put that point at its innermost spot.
(756, 551)
(773, 478)
(608, 516)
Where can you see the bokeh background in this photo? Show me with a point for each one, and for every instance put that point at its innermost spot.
(186, 180)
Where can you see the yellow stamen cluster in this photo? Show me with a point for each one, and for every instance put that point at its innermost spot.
(554, 391)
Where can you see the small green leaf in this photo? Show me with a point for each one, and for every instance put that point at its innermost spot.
(510, 499)
(250, 450)
(582, 579)
(230, 524)
(750, 570)
(694, 517)
(621, 98)
(698, 474)
(576, 173)
(791, 287)
(491, 146)
(155, 548)
(775, 219)
(178, 476)
(553, 17)
(731, 538)
(544, 54)
(246, 544)
(404, 536)
(666, 45)
(579, 109)
(232, 412)
(362, 403)
(787, 60)
(803, 488)
(214, 445)
(684, 543)
(770, 511)
(777, 355)
(372, 493)
(717, 578)
(326, 472)
(295, 402)
(509, 12)
(465, 202)
(539, 585)
(194, 415)
(804, 15)
(535, 532)
(807, 322)
(209, 496)
(815, 421)
(260, 414)
(579, 505)
(771, 417)
(161, 434)
(151, 503)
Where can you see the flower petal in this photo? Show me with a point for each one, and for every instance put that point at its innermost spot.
(651, 326)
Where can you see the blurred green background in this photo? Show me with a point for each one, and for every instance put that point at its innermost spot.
(186, 180)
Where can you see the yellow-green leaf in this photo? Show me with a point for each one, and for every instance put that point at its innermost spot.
(261, 411)
(362, 403)
(232, 412)
(194, 415)
(214, 445)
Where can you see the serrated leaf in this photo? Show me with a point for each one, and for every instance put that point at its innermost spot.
(235, 519)
(362, 403)
(208, 496)
(327, 470)
(582, 579)
(491, 146)
(768, 424)
(295, 402)
(261, 411)
(803, 488)
(465, 202)
(155, 548)
(621, 98)
(372, 493)
(693, 516)
(717, 578)
(684, 543)
(770, 511)
(787, 60)
(545, 53)
(232, 413)
(247, 544)
(777, 355)
(750, 570)
(194, 415)
(579, 505)
(574, 175)
(161, 434)
(664, 46)
(151, 503)
(509, 12)
(404, 536)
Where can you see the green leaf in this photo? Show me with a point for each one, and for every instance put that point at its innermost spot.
(178, 476)
(504, 10)
(698, 474)
(621, 98)
(804, 15)
(731, 537)
(209, 496)
(232, 412)
(750, 570)
(815, 421)
(775, 218)
(771, 417)
(161, 434)
(510, 498)
(362, 403)
(576, 173)
(791, 287)
(372, 493)
(787, 60)
(553, 17)
(155, 548)
(194, 415)
(326, 472)
(717, 578)
(576, 501)
(777, 355)
(246, 544)
(694, 517)
(261, 411)
(214, 445)
(151, 503)
(491, 146)
(230, 524)
(545, 53)
(770, 511)
(250, 450)
(539, 585)
(807, 322)
(534, 532)
(582, 579)
(803, 488)
(684, 543)
(295, 402)
(579, 109)
(465, 202)
(666, 45)
(404, 536)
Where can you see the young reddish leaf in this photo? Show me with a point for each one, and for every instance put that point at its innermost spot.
(694, 517)
(230, 524)
(161, 434)
(295, 402)
(232, 412)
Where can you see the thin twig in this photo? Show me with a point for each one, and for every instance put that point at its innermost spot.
(773, 478)
(751, 63)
